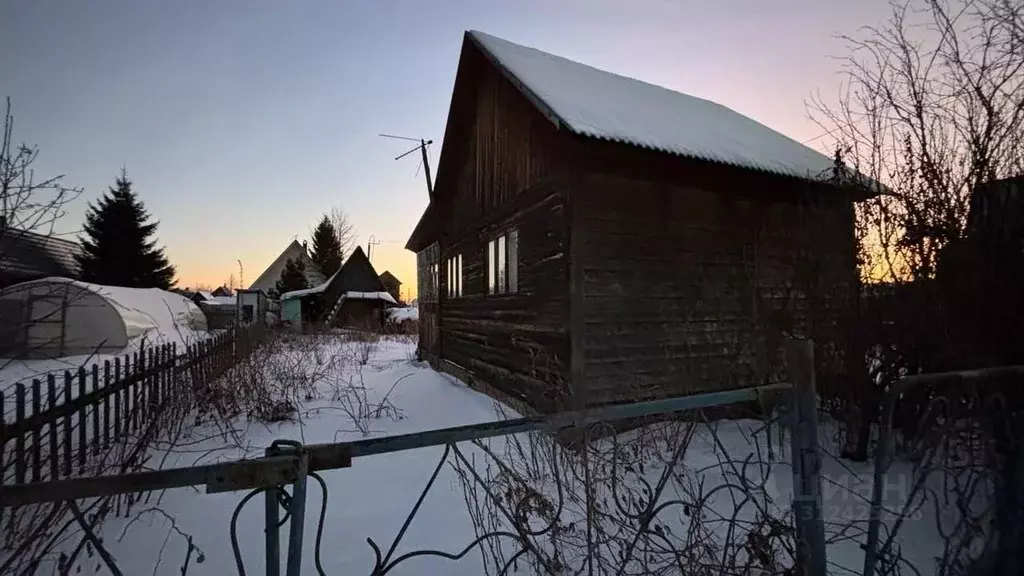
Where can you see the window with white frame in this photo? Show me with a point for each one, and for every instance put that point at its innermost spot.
(454, 266)
(503, 264)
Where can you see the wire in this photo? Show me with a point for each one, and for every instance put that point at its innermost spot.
(234, 529)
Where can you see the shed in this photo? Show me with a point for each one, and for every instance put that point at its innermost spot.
(392, 284)
(594, 239)
(57, 317)
(353, 296)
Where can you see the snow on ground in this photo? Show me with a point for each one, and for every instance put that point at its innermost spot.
(370, 499)
(373, 497)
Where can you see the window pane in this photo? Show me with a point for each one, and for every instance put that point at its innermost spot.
(513, 262)
(490, 267)
(458, 274)
(502, 266)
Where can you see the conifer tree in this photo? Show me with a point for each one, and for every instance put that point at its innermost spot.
(118, 248)
(326, 248)
(293, 277)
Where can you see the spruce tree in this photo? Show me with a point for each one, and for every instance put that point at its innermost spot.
(326, 248)
(118, 248)
(293, 277)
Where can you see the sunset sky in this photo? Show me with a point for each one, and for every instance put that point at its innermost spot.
(241, 121)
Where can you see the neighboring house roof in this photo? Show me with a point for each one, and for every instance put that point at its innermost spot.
(222, 291)
(28, 255)
(607, 106)
(997, 209)
(270, 276)
(356, 276)
(388, 278)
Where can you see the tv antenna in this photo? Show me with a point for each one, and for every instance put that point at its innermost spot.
(422, 147)
(241, 273)
(369, 246)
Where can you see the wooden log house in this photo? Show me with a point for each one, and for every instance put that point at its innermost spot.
(593, 239)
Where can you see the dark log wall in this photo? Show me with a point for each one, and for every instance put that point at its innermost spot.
(687, 291)
(426, 279)
(517, 343)
(507, 177)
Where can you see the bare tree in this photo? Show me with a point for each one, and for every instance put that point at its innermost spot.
(932, 106)
(344, 230)
(931, 111)
(28, 207)
(27, 204)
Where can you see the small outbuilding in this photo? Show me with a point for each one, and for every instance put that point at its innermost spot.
(354, 296)
(57, 317)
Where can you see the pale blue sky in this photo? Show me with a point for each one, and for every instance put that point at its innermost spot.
(241, 121)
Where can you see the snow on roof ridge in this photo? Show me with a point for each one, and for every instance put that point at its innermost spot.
(610, 106)
(485, 36)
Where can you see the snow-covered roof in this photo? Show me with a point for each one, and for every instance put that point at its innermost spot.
(220, 301)
(608, 106)
(370, 296)
(319, 288)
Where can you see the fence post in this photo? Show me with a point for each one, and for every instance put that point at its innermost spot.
(807, 509)
(117, 399)
(37, 434)
(19, 442)
(83, 421)
(154, 370)
(95, 410)
(51, 392)
(106, 404)
(67, 425)
(136, 374)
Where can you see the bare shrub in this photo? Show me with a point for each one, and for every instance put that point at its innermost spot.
(627, 503)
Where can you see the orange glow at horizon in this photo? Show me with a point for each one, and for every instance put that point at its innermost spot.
(392, 257)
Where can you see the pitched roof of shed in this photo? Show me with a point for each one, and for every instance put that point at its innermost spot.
(603, 105)
(25, 254)
(313, 274)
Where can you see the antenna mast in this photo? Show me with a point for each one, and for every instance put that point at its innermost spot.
(422, 147)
